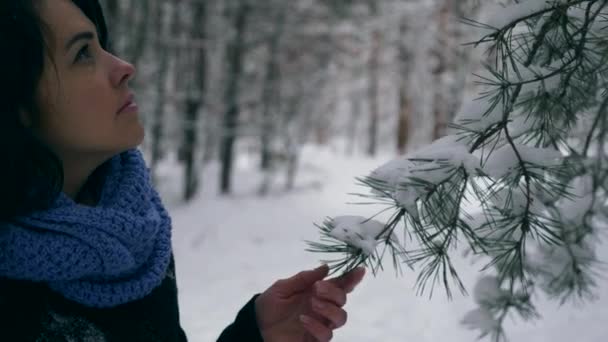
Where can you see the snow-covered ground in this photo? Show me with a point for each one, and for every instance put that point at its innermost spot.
(228, 248)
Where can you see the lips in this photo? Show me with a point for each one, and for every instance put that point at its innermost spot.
(129, 102)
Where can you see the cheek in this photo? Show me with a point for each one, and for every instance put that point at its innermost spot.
(80, 120)
(92, 111)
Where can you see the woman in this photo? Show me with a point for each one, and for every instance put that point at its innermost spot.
(85, 243)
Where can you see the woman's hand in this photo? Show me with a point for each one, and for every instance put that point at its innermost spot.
(305, 307)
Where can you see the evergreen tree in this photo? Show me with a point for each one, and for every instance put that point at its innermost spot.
(520, 180)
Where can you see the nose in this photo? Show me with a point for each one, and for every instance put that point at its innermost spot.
(122, 72)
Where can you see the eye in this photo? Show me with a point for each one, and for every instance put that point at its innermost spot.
(84, 54)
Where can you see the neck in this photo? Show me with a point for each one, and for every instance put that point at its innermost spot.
(77, 172)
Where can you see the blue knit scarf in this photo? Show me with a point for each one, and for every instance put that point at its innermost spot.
(102, 256)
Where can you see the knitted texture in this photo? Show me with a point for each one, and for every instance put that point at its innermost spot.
(102, 256)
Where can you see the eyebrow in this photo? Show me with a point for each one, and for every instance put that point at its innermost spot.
(87, 35)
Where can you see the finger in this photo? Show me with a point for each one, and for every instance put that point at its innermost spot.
(316, 329)
(301, 281)
(350, 280)
(332, 313)
(328, 291)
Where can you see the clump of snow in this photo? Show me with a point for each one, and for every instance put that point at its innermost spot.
(513, 201)
(358, 231)
(447, 151)
(391, 172)
(522, 124)
(433, 164)
(543, 193)
(574, 209)
(487, 290)
(556, 261)
(535, 76)
(579, 13)
(503, 16)
(475, 220)
(475, 116)
(504, 160)
(482, 320)
(544, 157)
(450, 149)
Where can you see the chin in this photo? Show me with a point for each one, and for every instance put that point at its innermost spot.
(134, 142)
(136, 137)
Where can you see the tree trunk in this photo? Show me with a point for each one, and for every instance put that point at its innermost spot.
(292, 165)
(159, 113)
(271, 90)
(355, 100)
(234, 53)
(292, 141)
(442, 52)
(196, 94)
(405, 108)
(374, 111)
(191, 179)
(406, 60)
(111, 10)
(139, 33)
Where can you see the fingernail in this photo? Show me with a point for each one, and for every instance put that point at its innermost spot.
(305, 319)
(323, 268)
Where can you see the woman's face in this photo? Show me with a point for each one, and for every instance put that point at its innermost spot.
(83, 89)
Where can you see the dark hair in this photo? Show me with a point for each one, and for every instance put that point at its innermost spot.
(31, 175)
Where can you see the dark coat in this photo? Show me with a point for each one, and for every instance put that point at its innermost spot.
(31, 312)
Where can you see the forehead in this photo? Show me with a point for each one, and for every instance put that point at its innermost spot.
(64, 19)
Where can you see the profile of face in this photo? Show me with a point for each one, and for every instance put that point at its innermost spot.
(86, 107)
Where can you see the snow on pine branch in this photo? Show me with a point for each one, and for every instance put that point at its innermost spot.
(358, 231)
(503, 16)
(528, 155)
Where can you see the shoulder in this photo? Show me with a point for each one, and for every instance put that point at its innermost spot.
(22, 308)
(33, 312)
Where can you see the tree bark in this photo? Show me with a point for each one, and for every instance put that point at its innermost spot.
(406, 59)
(235, 52)
(196, 94)
(162, 30)
(403, 125)
(374, 111)
(442, 52)
(271, 96)
(355, 100)
(112, 16)
(139, 33)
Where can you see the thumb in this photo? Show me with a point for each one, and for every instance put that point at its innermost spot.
(350, 280)
(302, 281)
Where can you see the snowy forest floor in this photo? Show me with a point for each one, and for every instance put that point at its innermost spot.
(229, 248)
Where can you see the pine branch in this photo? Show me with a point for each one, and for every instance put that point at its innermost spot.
(547, 70)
